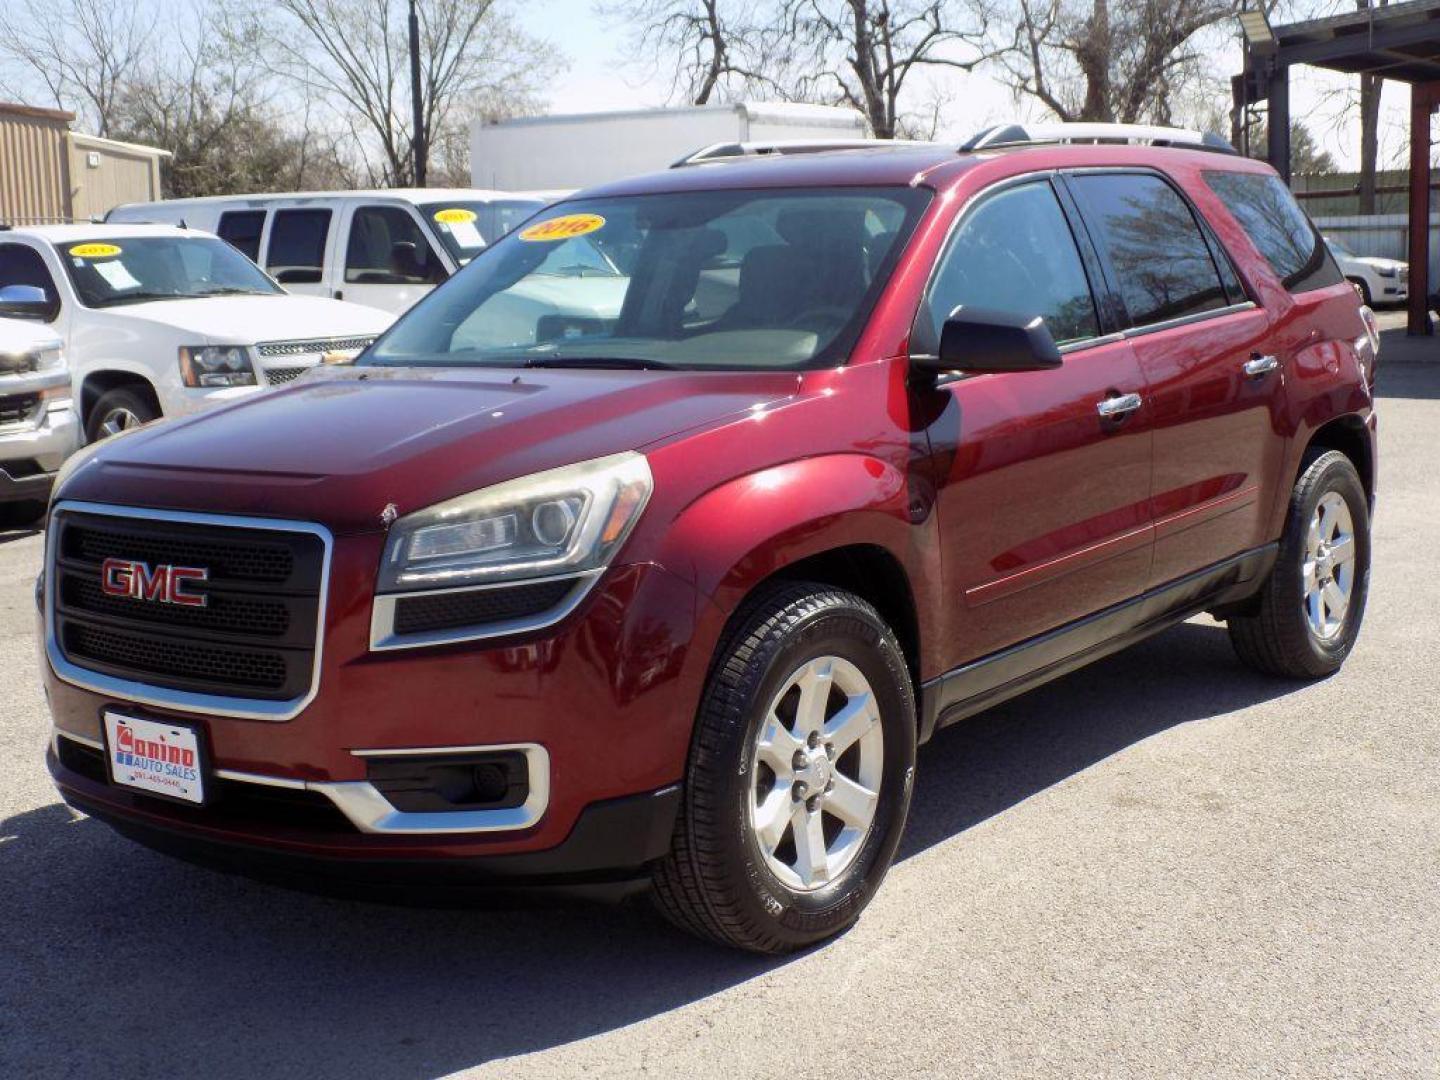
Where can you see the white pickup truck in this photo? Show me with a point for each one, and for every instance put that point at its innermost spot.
(161, 321)
(38, 426)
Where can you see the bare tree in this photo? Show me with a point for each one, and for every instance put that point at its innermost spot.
(1109, 60)
(862, 53)
(710, 46)
(353, 55)
(82, 52)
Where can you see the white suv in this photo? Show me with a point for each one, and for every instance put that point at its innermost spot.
(161, 321)
(1379, 280)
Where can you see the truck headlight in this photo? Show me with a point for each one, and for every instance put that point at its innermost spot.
(560, 521)
(216, 365)
(1387, 271)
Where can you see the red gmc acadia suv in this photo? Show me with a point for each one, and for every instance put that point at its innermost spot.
(649, 547)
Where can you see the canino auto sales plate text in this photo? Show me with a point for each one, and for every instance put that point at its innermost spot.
(159, 758)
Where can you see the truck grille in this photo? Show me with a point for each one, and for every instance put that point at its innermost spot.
(18, 408)
(254, 637)
(315, 345)
(277, 376)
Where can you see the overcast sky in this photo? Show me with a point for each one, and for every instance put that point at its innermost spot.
(597, 78)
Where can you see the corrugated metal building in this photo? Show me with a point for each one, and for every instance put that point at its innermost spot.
(50, 174)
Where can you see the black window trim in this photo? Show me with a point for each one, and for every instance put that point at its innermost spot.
(1089, 260)
(1130, 329)
(50, 274)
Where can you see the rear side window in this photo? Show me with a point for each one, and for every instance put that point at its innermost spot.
(297, 246)
(387, 247)
(1159, 256)
(1273, 220)
(1014, 253)
(21, 265)
(241, 229)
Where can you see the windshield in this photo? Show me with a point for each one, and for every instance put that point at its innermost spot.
(465, 228)
(711, 279)
(1338, 247)
(132, 269)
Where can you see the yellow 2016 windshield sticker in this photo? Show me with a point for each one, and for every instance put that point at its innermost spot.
(454, 216)
(94, 251)
(563, 228)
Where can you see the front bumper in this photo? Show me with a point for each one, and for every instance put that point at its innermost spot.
(30, 454)
(608, 694)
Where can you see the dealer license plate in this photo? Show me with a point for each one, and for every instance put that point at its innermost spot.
(162, 759)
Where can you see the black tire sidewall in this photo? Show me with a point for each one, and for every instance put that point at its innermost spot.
(852, 632)
(120, 397)
(1329, 472)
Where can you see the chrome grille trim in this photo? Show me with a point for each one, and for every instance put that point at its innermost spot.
(166, 697)
(313, 345)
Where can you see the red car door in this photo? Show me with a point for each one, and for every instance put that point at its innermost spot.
(1044, 476)
(1201, 344)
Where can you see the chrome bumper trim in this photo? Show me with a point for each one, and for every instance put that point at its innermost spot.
(370, 812)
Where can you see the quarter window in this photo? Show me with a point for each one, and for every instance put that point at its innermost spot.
(1273, 220)
(21, 265)
(1014, 253)
(387, 247)
(241, 229)
(296, 255)
(1161, 261)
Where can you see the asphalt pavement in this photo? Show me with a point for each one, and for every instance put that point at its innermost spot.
(1162, 865)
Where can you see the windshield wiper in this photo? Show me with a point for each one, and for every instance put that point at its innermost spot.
(232, 290)
(142, 297)
(628, 363)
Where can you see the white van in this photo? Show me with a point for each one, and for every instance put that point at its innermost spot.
(160, 321)
(385, 249)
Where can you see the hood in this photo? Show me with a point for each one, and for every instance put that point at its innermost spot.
(20, 336)
(246, 320)
(1380, 263)
(341, 444)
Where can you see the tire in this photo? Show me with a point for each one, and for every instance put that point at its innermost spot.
(721, 879)
(1364, 287)
(116, 410)
(1282, 635)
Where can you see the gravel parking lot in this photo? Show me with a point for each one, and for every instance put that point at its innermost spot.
(1160, 865)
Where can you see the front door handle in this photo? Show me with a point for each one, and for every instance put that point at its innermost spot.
(1260, 365)
(1121, 405)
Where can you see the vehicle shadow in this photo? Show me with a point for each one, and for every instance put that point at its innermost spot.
(120, 962)
(10, 533)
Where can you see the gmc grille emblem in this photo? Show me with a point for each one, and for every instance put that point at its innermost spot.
(163, 584)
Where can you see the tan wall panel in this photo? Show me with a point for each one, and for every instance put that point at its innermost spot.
(33, 164)
(122, 176)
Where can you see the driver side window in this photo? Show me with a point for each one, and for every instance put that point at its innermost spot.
(1015, 253)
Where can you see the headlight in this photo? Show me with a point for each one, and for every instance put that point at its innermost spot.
(33, 360)
(556, 522)
(1387, 271)
(216, 365)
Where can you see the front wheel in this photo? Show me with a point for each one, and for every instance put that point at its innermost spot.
(799, 776)
(1310, 608)
(116, 411)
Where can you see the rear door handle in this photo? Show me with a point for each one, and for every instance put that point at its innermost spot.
(1121, 405)
(1260, 365)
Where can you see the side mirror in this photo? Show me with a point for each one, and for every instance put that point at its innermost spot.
(25, 302)
(982, 341)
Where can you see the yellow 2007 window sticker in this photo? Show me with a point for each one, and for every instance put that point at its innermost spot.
(94, 251)
(454, 216)
(563, 228)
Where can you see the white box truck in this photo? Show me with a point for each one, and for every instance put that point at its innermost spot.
(581, 149)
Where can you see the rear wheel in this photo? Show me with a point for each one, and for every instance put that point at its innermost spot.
(1311, 606)
(116, 411)
(799, 776)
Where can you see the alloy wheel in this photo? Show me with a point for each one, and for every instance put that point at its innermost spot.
(118, 420)
(1329, 567)
(816, 768)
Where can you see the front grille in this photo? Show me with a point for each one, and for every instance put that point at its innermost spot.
(278, 376)
(255, 636)
(315, 345)
(447, 611)
(18, 408)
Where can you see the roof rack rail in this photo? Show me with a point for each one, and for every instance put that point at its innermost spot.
(1011, 135)
(739, 151)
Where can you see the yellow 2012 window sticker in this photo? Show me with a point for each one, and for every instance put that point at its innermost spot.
(94, 251)
(454, 216)
(563, 228)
